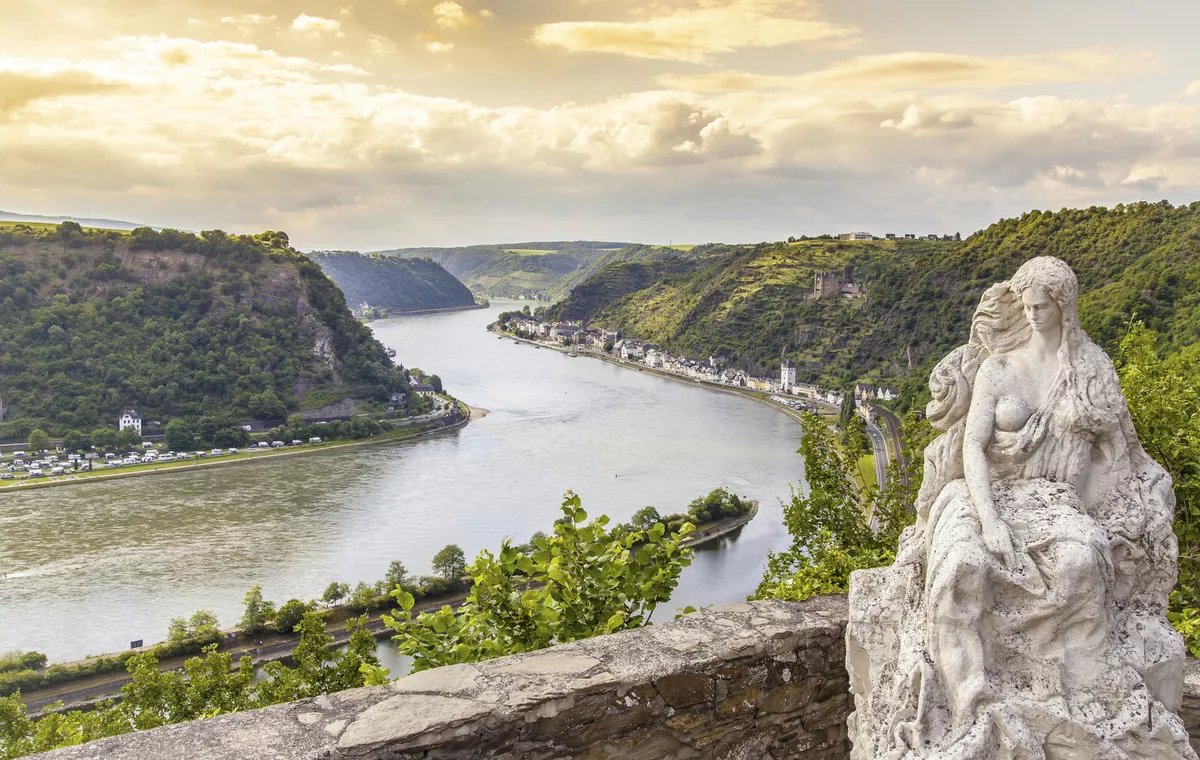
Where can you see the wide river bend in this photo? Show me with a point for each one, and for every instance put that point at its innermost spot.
(93, 566)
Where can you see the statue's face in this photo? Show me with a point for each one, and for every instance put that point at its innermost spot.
(1041, 310)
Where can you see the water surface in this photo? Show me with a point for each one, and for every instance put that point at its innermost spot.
(92, 567)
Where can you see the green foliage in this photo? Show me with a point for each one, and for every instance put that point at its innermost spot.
(205, 326)
(519, 270)
(257, 613)
(335, 592)
(831, 527)
(38, 440)
(717, 505)
(396, 576)
(645, 518)
(202, 628)
(755, 301)
(393, 282)
(583, 581)
(207, 686)
(289, 616)
(450, 563)
(1164, 401)
(10, 661)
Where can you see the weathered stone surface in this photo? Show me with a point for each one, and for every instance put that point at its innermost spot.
(686, 690)
(452, 679)
(403, 720)
(1025, 610)
(636, 695)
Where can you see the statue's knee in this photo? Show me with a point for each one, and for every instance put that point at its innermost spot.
(1078, 565)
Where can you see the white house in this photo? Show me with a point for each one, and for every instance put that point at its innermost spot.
(855, 236)
(787, 376)
(130, 419)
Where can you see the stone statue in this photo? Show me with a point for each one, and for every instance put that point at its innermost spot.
(1024, 616)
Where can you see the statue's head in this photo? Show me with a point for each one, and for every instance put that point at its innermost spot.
(1048, 291)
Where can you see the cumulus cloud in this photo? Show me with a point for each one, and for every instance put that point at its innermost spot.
(450, 15)
(316, 24)
(696, 33)
(252, 19)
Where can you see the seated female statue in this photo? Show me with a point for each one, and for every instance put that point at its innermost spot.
(1025, 614)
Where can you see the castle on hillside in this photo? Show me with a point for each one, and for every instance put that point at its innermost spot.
(829, 284)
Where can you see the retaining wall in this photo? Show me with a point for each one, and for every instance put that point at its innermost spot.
(760, 681)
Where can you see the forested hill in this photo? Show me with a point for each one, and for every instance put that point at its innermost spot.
(544, 270)
(1141, 259)
(173, 324)
(395, 283)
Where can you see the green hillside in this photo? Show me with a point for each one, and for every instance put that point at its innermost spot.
(402, 284)
(173, 324)
(756, 302)
(541, 271)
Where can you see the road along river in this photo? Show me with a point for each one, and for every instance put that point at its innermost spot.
(95, 566)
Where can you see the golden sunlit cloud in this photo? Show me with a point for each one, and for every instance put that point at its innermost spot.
(450, 15)
(316, 24)
(924, 71)
(1192, 89)
(434, 44)
(249, 18)
(698, 33)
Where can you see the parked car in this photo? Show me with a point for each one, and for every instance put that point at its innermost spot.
(263, 445)
(7, 476)
(234, 451)
(297, 442)
(217, 452)
(276, 444)
(314, 439)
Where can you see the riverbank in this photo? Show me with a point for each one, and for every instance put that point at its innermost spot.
(86, 691)
(879, 461)
(400, 434)
(442, 310)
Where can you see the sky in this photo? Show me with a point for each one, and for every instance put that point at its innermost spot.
(391, 123)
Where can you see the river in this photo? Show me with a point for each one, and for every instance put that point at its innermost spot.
(93, 566)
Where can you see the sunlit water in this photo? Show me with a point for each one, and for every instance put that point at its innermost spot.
(92, 567)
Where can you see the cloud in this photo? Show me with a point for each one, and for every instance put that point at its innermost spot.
(253, 19)
(926, 70)
(696, 34)
(434, 43)
(1191, 89)
(20, 88)
(316, 25)
(450, 15)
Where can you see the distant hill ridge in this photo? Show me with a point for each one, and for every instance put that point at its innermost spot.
(174, 324)
(404, 284)
(757, 302)
(102, 224)
(538, 270)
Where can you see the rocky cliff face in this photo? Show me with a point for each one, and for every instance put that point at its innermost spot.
(173, 324)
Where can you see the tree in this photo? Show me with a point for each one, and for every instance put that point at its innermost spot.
(104, 438)
(75, 440)
(335, 592)
(257, 612)
(38, 440)
(397, 574)
(267, 406)
(128, 438)
(181, 435)
(855, 442)
(436, 382)
(644, 518)
(583, 581)
(363, 597)
(450, 563)
(289, 616)
(295, 421)
(831, 527)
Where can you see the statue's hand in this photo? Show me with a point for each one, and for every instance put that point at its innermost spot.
(998, 539)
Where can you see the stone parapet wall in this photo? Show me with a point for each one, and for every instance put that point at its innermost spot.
(760, 681)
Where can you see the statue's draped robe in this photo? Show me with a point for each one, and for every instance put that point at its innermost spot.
(1067, 654)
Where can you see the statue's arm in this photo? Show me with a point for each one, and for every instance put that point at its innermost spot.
(981, 424)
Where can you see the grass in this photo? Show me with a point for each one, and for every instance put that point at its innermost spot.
(866, 470)
(248, 454)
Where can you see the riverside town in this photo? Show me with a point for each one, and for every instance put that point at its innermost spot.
(724, 380)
